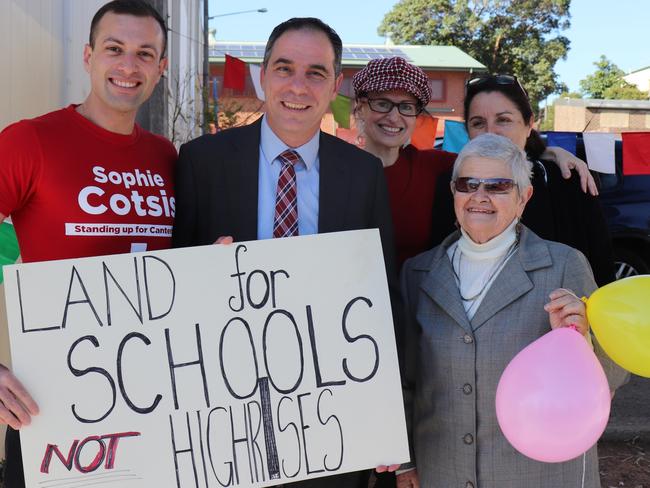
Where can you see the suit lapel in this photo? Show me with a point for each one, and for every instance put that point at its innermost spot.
(440, 285)
(243, 180)
(334, 187)
(511, 283)
(513, 280)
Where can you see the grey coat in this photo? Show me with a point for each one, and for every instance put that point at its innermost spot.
(452, 366)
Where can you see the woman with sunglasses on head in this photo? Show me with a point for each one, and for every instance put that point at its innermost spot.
(474, 302)
(390, 94)
(559, 210)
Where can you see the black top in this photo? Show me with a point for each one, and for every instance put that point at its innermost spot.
(558, 211)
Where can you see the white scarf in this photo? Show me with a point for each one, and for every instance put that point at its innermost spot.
(476, 266)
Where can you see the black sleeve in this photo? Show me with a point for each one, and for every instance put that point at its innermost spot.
(580, 223)
(384, 222)
(598, 241)
(444, 217)
(184, 232)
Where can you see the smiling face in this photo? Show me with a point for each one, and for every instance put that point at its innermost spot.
(494, 113)
(481, 214)
(299, 83)
(124, 65)
(387, 130)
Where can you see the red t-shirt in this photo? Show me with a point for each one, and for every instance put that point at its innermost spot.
(411, 186)
(74, 189)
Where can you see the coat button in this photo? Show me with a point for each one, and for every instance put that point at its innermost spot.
(468, 439)
(469, 484)
(467, 339)
(467, 388)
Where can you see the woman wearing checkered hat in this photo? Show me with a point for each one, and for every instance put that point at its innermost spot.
(390, 94)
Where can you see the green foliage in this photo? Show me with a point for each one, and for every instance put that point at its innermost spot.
(548, 118)
(521, 37)
(625, 91)
(607, 83)
(566, 94)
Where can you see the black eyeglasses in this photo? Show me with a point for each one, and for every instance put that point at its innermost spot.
(384, 106)
(475, 83)
(491, 185)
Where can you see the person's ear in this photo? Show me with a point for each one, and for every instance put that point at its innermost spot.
(88, 52)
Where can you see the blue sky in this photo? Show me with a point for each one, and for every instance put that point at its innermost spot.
(618, 29)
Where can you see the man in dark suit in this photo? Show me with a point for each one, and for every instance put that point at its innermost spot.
(239, 184)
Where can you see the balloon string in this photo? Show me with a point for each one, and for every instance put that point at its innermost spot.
(585, 300)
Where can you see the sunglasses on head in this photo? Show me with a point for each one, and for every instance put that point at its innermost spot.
(491, 185)
(475, 83)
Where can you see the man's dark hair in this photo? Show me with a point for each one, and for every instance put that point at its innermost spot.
(137, 8)
(306, 23)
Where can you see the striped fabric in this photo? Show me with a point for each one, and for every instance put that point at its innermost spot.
(285, 223)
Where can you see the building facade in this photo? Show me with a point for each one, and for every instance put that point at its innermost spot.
(592, 115)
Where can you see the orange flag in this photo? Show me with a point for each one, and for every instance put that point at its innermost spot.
(424, 135)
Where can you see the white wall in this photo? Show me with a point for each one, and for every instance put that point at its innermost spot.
(184, 76)
(640, 78)
(42, 43)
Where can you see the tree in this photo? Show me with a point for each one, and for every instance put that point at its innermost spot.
(520, 37)
(607, 83)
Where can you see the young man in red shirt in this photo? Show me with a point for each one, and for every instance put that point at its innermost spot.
(86, 180)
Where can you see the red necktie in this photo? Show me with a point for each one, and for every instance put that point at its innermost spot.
(285, 223)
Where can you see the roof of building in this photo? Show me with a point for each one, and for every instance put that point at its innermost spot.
(596, 103)
(638, 70)
(357, 55)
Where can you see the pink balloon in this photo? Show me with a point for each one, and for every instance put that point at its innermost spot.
(553, 399)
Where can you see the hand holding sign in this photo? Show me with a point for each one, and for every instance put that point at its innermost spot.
(16, 404)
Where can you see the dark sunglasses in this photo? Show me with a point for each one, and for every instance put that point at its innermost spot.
(384, 106)
(476, 83)
(491, 185)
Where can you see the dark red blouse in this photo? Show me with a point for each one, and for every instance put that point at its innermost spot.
(411, 187)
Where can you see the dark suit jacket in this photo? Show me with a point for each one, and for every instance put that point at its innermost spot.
(217, 183)
(216, 195)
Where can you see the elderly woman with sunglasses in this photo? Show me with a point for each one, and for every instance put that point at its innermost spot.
(473, 302)
(390, 93)
(559, 210)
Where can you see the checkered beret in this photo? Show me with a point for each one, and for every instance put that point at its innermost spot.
(387, 74)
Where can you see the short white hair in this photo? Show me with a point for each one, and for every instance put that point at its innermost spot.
(497, 147)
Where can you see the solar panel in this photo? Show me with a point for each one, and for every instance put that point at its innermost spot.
(364, 53)
(368, 53)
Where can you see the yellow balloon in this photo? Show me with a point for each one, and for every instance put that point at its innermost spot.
(619, 314)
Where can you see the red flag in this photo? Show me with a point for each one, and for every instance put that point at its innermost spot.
(234, 73)
(636, 153)
(424, 135)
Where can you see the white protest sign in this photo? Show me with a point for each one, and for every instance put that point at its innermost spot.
(252, 364)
